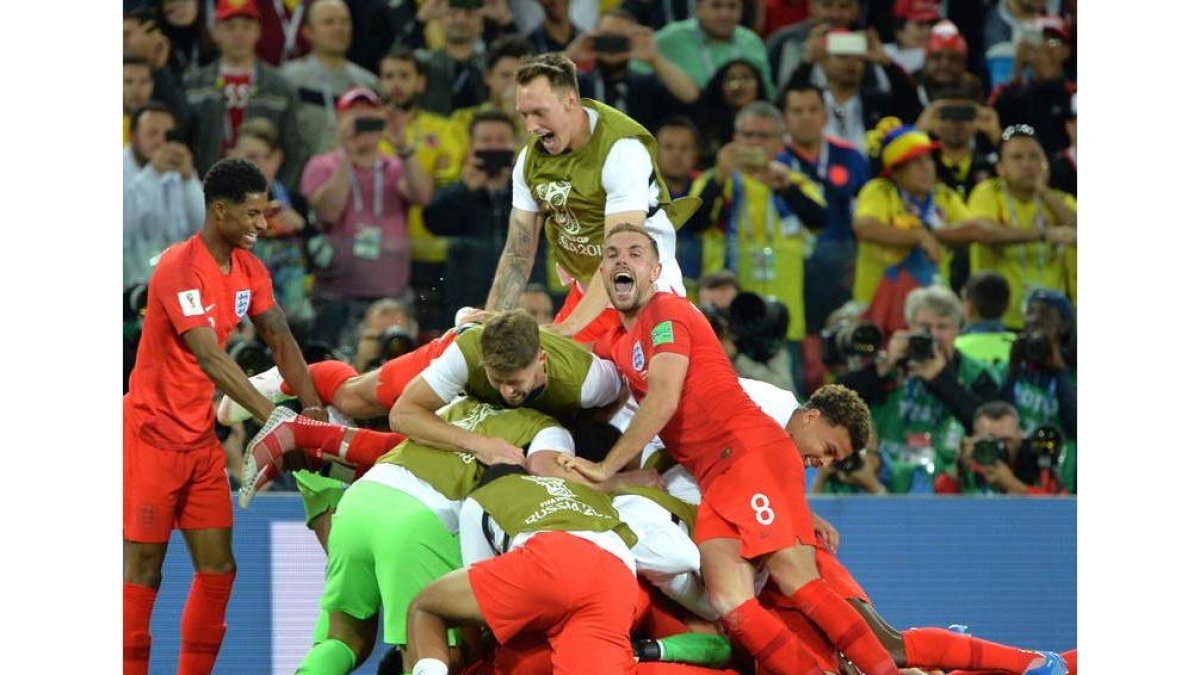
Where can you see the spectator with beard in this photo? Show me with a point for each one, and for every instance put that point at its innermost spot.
(945, 65)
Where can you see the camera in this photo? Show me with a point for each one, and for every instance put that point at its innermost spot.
(494, 161)
(1045, 443)
(759, 325)
(848, 339)
(367, 125)
(850, 463)
(988, 450)
(395, 341)
(958, 113)
(920, 346)
(1034, 348)
(610, 43)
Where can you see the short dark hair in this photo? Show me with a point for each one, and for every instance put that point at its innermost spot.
(989, 294)
(800, 87)
(510, 341)
(508, 47)
(718, 279)
(490, 116)
(558, 70)
(843, 407)
(402, 53)
(630, 227)
(683, 122)
(151, 106)
(996, 410)
(231, 179)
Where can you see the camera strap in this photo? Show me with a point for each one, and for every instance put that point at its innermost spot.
(377, 185)
(1039, 223)
(505, 543)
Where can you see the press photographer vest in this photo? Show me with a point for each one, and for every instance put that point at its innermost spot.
(569, 190)
(567, 367)
(681, 511)
(521, 504)
(455, 474)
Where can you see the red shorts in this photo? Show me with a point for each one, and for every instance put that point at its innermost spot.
(759, 500)
(166, 489)
(600, 326)
(395, 375)
(536, 588)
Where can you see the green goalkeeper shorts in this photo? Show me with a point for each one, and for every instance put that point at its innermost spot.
(318, 493)
(385, 546)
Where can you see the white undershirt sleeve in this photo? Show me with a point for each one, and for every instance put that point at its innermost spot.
(471, 539)
(628, 178)
(602, 384)
(447, 374)
(522, 198)
(556, 439)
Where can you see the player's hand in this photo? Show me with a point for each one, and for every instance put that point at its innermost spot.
(588, 469)
(469, 315)
(639, 478)
(827, 533)
(489, 450)
(318, 413)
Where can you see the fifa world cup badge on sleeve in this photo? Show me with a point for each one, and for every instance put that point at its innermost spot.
(189, 302)
(241, 303)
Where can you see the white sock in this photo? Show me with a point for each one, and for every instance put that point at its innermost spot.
(430, 667)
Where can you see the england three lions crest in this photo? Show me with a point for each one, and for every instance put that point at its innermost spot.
(555, 196)
(241, 303)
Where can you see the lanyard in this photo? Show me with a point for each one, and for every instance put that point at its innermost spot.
(737, 209)
(326, 88)
(702, 40)
(1039, 222)
(377, 197)
(291, 28)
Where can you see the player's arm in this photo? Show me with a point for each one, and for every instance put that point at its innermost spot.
(516, 261)
(415, 415)
(272, 326)
(665, 386)
(225, 372)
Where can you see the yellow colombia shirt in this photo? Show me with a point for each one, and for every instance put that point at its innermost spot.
(879, 199)
(771, 249)
(1025, 266)
(440, 153)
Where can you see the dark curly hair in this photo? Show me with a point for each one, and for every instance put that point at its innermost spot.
(231, 180)
(843, 407)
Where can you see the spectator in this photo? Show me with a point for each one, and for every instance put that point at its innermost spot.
(528, 15)
(163, 197)
(984, 337)
(137, 86)
(840, 171)
(535, 299)
(500, 76)
(1041, 375)
(776, 369)
(735, 85)
(647, 98)
(856, 104)
(283, 38)
(755, 213)
(1043, 102)
(655, 14)
(1063, 175)
(142, 38)
(701, 45)
(236, 87)
(439, 152)
(922, 391)
(1014, 470)
(1039, 220)
(555, 31)
(381, 316)
(864, 472)
(914, 21)
(945, 65)
(281, 247)
(473, 212)
(499, 20)
(186, 27)
(790, 46)
(902, 220)
(1004, 28)
(717, 289)
(678, 156)
(325, 74)
(454, 74)
(361, 197)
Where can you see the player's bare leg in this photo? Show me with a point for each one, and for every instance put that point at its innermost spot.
(357, 397)
(203, 625)
(448, 601)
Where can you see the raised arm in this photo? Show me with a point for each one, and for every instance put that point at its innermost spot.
(516, 262)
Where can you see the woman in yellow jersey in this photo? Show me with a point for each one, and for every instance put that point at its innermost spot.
(901, 220)
(1040, 253)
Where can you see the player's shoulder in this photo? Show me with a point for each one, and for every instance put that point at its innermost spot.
(180, 257)
(249, 262)
(666, 306)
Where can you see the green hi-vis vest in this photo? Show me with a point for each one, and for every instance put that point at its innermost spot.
(567, 366)
(521, 504)
(569, 191)
(455, 474)
(680, 510)
(991, 349)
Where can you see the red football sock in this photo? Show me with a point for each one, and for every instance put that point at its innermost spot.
(363, 448)
(327, 377)
(844, 627)
(139, 602)
(774, 648)
(204, 622)
(944, 649)
(1072, 659)
(368, 446)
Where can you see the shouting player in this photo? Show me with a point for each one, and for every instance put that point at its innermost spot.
(174, 466)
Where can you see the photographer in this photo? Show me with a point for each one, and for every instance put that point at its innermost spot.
(996, 458)
(474, 212)
(922, 391)
(388, 330)
(863, 472)
(766, 361)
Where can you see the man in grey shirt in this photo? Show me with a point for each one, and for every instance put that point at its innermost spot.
(325, 74)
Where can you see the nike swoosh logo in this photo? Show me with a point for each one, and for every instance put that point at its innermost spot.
(209, 308)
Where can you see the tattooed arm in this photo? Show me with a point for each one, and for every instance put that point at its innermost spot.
(516, 262)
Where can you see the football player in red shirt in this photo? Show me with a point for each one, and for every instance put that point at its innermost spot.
(751, 477)
(174, 467)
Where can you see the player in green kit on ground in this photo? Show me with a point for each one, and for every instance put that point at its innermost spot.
(586, 167)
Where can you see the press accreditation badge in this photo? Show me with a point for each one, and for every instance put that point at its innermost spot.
(368, 241)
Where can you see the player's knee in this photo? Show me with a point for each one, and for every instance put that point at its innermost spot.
(218, 566)
(143, 565)
(725, 600)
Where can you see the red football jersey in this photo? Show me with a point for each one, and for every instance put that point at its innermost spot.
(172, 399)
(716, 420)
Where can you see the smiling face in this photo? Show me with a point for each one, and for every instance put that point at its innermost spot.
(629, 269)
(241, 224)
(819, 442)
(548, 114)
